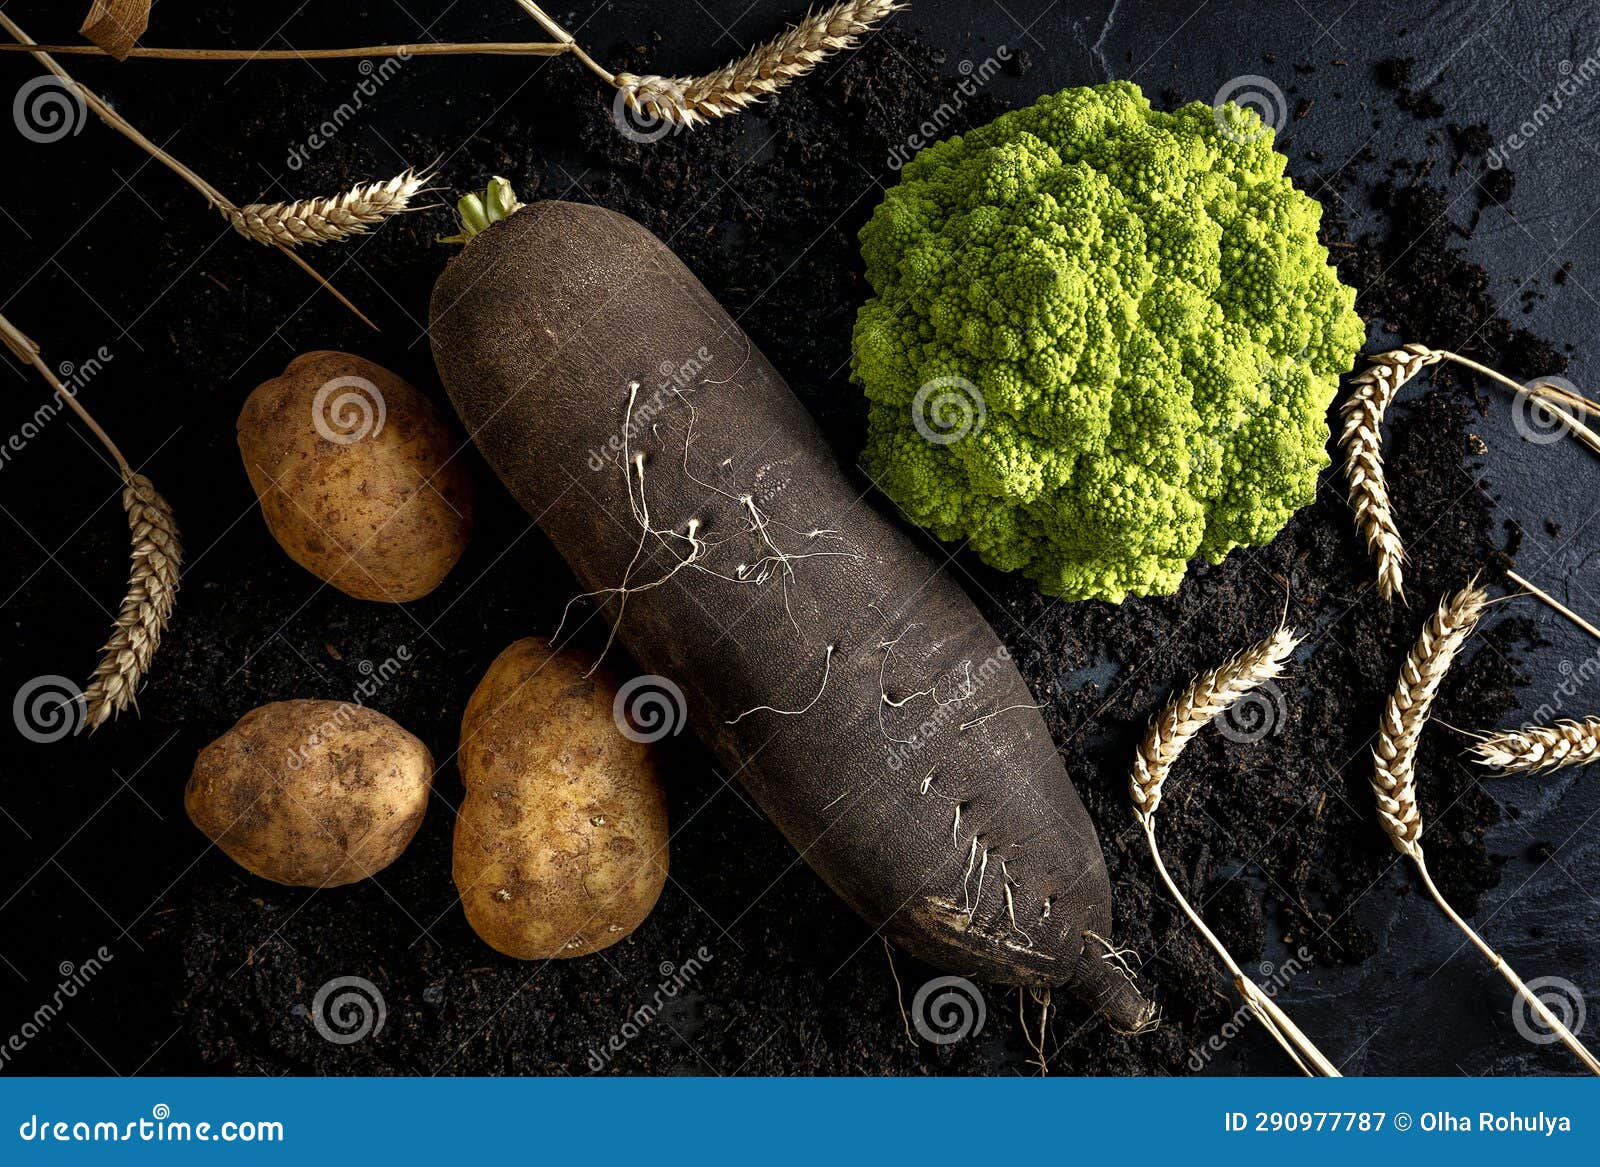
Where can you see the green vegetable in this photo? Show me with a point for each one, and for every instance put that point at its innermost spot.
(1104, 340)
(475, 213)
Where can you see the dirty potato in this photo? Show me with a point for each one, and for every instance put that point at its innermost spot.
(354, 470)
(311, 793)
(561, 843)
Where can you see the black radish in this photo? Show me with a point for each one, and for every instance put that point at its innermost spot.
(843, 677)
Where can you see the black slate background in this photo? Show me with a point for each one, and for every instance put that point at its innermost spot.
(103, 248)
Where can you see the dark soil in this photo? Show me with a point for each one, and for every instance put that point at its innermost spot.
(1275, 838)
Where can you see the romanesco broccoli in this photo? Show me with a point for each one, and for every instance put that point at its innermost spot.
(1103, 340)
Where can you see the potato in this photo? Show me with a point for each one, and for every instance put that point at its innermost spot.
(356, 478)
(561, 843)
(311, 793)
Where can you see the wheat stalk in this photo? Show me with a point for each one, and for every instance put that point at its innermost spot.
(153, 577)
(1373, 388)
(681, 101)
(326, 219)
(127, 129)
(1395, 784)
(1206, 698)
(1540, 747)
(343, 52)
(1545, 395)
(1553, 604)
(152, 589)
(689, 101)
(1394, 778)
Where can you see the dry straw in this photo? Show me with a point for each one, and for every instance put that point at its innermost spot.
(326, 219)
(1394, 774)
(1206, 698)
(1372, 391)
(1540, 747)
(681, 101)
(152, 577)
(688, 101)
(126, 128)
(1554, 604)
(417, 49)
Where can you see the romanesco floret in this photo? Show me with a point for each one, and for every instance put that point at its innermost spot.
(1103, 340)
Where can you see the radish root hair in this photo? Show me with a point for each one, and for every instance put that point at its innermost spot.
(688, 548)
(1121, 960)
(996, 713)
(827, 666)
(964, 694)
(1041, 998)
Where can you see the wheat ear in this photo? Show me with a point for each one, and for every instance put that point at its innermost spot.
(1206, 698)
(153, 577)
(1394, 776)
(689, 101)
(1541, 747)
(128, 130)
(326, 219)
(1372, 390)
(152, 590)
